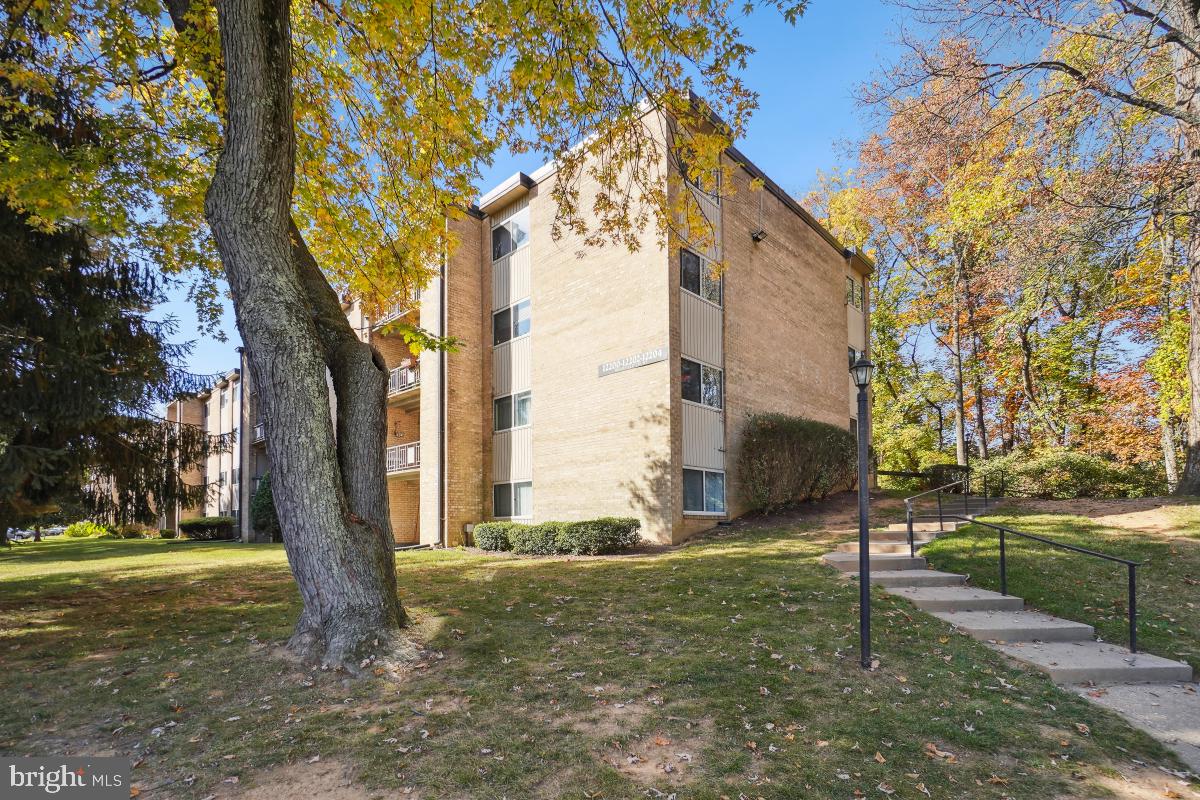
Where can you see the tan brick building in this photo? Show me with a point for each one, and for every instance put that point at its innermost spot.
(591, 381)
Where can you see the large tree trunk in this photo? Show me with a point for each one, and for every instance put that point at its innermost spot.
(1186, 16)
(337, 538)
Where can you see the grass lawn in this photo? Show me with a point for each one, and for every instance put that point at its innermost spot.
(725, 669)
(1086, 589)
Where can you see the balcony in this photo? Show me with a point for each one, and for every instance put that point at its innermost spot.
(404, 384)
(404, 459)
(398, 310)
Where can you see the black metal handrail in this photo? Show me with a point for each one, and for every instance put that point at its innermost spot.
(1131, 566)
(964, 483)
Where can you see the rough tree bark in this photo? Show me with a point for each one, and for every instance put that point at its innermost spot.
(1185, 14)
(330, 494)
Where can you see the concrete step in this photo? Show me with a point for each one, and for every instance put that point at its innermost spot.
(959, 598)
(881, 535)
(912, 577)
(951, 525)
(848, 562)
(1100, 662)
(883, 547)
(1016, 626)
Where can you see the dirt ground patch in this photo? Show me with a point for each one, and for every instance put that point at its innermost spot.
(1159, 515)
(662, 757)
(330, 780)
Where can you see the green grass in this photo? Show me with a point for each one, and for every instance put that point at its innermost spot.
(1086, 589)
(541, 679)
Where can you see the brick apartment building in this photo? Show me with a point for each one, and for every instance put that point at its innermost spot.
(606, 383)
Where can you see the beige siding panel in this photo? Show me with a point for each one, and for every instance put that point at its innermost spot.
(502, 362)
(703, 437)
(512, 455)
(501, 282)
(520, 273)
(700, 323)
(855, 329)
(512, 367)
(503, 214)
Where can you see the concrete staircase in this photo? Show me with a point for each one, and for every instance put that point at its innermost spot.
(1067, 651)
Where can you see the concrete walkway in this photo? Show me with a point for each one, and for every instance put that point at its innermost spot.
(1067, 651)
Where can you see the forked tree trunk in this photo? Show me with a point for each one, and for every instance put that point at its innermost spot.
(337, 538)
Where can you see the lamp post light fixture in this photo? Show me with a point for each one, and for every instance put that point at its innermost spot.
(862, 371)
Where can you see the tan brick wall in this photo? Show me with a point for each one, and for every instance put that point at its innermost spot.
(404, 497)
(463, 485)
(394, 350)
(601, 446)
(785, 320)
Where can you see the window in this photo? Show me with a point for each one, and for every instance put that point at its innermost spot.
(221, 481)
(853, 356)
(224, 398)
(511, 234)
(855, 293)
(703, 491)
(235, 476)
(707, 181)
(512, 499)
(701, 383)
(511, 411)
(509, 323)
(696, 275)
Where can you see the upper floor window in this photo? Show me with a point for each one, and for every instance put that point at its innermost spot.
(854, 356)
(511, 322)
(512, 411)
(701, 383)
(510, 234)
(696, 275)
(224, 398)
(855, 293)
(707, 181)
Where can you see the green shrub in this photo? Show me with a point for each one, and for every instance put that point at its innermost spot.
(207, 529)
(79, 530)
(599, 536)
(589, 537)
(535, 540)
(263, 518)
(167, 533)
(127, 531)
(1065, 474)
(788, 460)
(493, 535)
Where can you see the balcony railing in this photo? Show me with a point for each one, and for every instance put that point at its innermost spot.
(403, 378)
(403, 457)
(399, 309)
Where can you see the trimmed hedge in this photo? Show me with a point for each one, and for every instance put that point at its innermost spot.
(207, 529)
(167, 533)
(493, 535)
(1065, 474)
(598, 536)
(589, 537)
(787, 460)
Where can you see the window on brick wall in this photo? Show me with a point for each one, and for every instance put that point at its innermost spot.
(509, 323)
(512, 411)
(510, 234)
(697, 276)
(512, 499)
(855, 293)
(854, 354)
(701, 383)
(703, 491)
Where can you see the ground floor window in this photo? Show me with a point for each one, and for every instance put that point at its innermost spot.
(703, 491)
(512, 499)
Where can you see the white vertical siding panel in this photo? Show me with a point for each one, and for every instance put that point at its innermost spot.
(502, 453)
(703, 437)
(700, 328)
(520, 274)
(521, 468)
(501, 282)
(521, 366)
(502, 363)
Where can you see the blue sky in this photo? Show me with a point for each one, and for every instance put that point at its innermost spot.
(806, 77)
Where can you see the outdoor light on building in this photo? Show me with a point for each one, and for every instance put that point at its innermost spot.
(862, 370)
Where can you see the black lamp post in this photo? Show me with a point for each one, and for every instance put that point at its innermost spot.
(861, 371)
